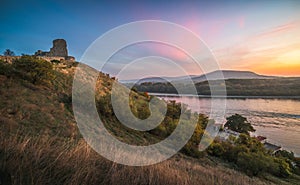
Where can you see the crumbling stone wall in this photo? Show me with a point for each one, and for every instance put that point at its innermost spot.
(59, 48)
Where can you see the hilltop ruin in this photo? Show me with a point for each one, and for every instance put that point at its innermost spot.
(58, 51)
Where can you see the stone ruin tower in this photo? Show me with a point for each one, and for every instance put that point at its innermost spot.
(59, 48)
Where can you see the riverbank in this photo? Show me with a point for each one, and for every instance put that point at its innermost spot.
(276, 119)
(222, 97)
(276, 87)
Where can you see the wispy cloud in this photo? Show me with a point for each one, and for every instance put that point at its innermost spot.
(278, 30)
(262, 50)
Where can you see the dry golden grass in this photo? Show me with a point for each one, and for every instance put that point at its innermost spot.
(45, 160)
(45, 157)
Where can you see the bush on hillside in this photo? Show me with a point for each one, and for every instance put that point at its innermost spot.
(33, 69)
(5, 69)
(55, 61)
(254, 164)
(249, 155)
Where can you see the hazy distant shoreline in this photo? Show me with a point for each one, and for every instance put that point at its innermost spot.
(229, 96)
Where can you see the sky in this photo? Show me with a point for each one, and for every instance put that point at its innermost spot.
(260, 36)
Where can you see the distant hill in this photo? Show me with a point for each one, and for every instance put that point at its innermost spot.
(156, 79)
(230, 74)
(284, 86)
(215, 75)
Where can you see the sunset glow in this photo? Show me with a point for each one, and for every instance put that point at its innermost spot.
(150, 92)
(261, 36)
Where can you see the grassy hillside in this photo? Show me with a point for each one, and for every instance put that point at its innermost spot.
(39, 160)
(40, 142)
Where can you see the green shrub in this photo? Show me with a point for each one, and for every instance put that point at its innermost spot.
(285, 154)
(67, 100)
(253, 164)
(231, 152)
(284, 169)
(258, 163)
(192, 150)
(104, 106)
(251, 157)
(55, 61)
(216, 149)
(5, 68)
(251, 143)
(33, 69)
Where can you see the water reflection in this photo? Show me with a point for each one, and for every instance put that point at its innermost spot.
(277, 119)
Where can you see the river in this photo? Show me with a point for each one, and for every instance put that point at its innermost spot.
(276, 119)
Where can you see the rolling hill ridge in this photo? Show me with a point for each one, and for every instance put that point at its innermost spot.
(215, 75)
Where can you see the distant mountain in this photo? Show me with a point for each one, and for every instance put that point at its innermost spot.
(215, 75)
(157, 79)
(149, 79)
(230, 74)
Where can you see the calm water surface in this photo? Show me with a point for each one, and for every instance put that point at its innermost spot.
(277, 119)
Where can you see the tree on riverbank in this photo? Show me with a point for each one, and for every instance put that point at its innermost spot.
(239, 124)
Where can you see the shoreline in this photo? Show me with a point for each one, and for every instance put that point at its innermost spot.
(242, 98)
(224, 97)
